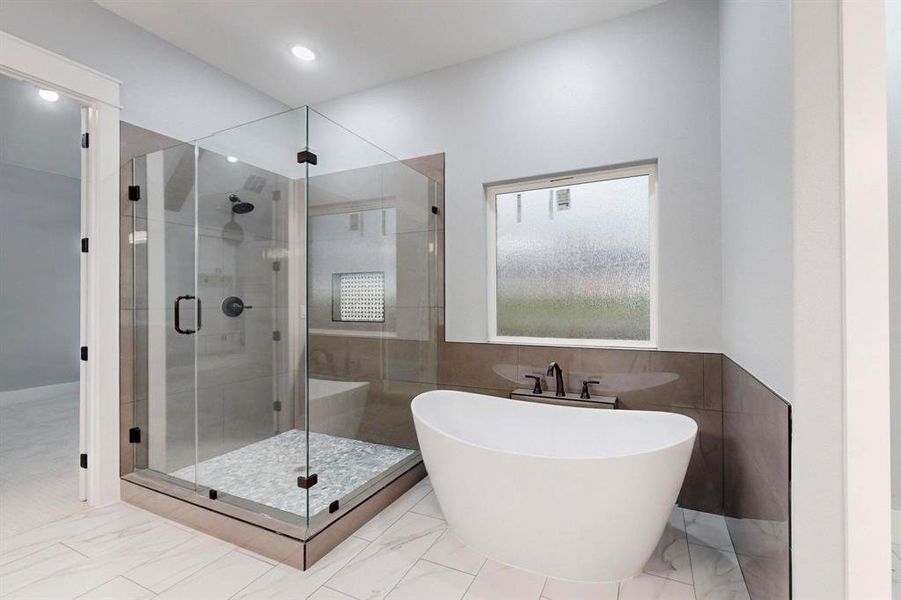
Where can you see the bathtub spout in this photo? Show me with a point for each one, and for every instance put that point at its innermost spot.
(555, 370)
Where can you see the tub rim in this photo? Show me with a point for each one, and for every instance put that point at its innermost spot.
(677, 416)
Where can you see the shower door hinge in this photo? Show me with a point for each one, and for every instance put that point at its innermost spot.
(84, 353)
(83, 461)
(134, 435)
(434, 210)
(307, 482)
(305, 156)
(276, 336)
(276, 265)
(134, 193)
(333, 507)
(214, 495)
(84, 244)
(277, 406)
(85, 140)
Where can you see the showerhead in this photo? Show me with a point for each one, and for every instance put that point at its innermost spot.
(239, 206)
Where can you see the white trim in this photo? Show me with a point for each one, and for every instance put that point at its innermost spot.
(602, 174)
(99, 377)
(25, 60)
(865, 300)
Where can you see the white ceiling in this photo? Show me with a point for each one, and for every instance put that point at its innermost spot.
(359, 43)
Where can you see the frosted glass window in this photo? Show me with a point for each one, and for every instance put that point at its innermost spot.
(574, 261)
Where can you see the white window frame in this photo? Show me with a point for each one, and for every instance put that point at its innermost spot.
(601, 174)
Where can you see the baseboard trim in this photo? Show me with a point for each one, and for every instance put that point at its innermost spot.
(11, 397)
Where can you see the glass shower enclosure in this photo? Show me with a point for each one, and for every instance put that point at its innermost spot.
(284, 309)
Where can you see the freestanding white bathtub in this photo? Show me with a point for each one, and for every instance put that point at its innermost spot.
(337, 407)
(572, 493)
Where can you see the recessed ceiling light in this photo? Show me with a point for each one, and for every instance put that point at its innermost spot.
(231, 159)
(48, 95)
(303, 53)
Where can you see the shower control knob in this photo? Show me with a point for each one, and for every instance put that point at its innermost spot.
(234, 306)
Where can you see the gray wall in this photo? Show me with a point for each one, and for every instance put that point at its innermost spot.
(39, 277)
(756, 184)
(640, 87)
(164, 88)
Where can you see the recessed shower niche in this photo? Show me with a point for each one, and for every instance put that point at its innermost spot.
(276, 276)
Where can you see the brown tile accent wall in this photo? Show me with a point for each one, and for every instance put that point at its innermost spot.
(756, 453)
(684, 382)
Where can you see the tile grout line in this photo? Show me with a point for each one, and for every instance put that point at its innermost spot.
(40, 549)
(691, 566)
(471, 583)
(159, 554)
(94, 588)
(428, 560)
(249, 583)
(331, 589)
(424, 552)
(49, 544)
(72, 549)
(405, 513)
(323, 585)
(123, 576)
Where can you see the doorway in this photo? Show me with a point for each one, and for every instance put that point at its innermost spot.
(40, 299)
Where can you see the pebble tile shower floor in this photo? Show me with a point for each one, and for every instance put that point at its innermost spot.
(266, 471)
(403, 553)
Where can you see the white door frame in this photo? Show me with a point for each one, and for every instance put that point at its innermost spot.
(841, 523)
(99, 375)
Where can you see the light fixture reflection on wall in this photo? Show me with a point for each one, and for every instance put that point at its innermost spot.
(231, 159)
(303, 53)
(48, 95)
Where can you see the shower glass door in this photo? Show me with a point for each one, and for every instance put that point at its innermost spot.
(165, 311)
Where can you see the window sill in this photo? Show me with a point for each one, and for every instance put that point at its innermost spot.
(574, 343)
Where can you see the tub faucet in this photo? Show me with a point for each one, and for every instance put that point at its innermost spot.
(555, 370)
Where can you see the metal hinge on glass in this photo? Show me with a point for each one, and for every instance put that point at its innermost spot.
(307, 482)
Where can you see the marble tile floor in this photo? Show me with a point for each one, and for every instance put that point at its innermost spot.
(38, 457)
(267, 471)
(405, 552)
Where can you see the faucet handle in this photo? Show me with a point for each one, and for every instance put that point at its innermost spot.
(537, 389)
(585, 395)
